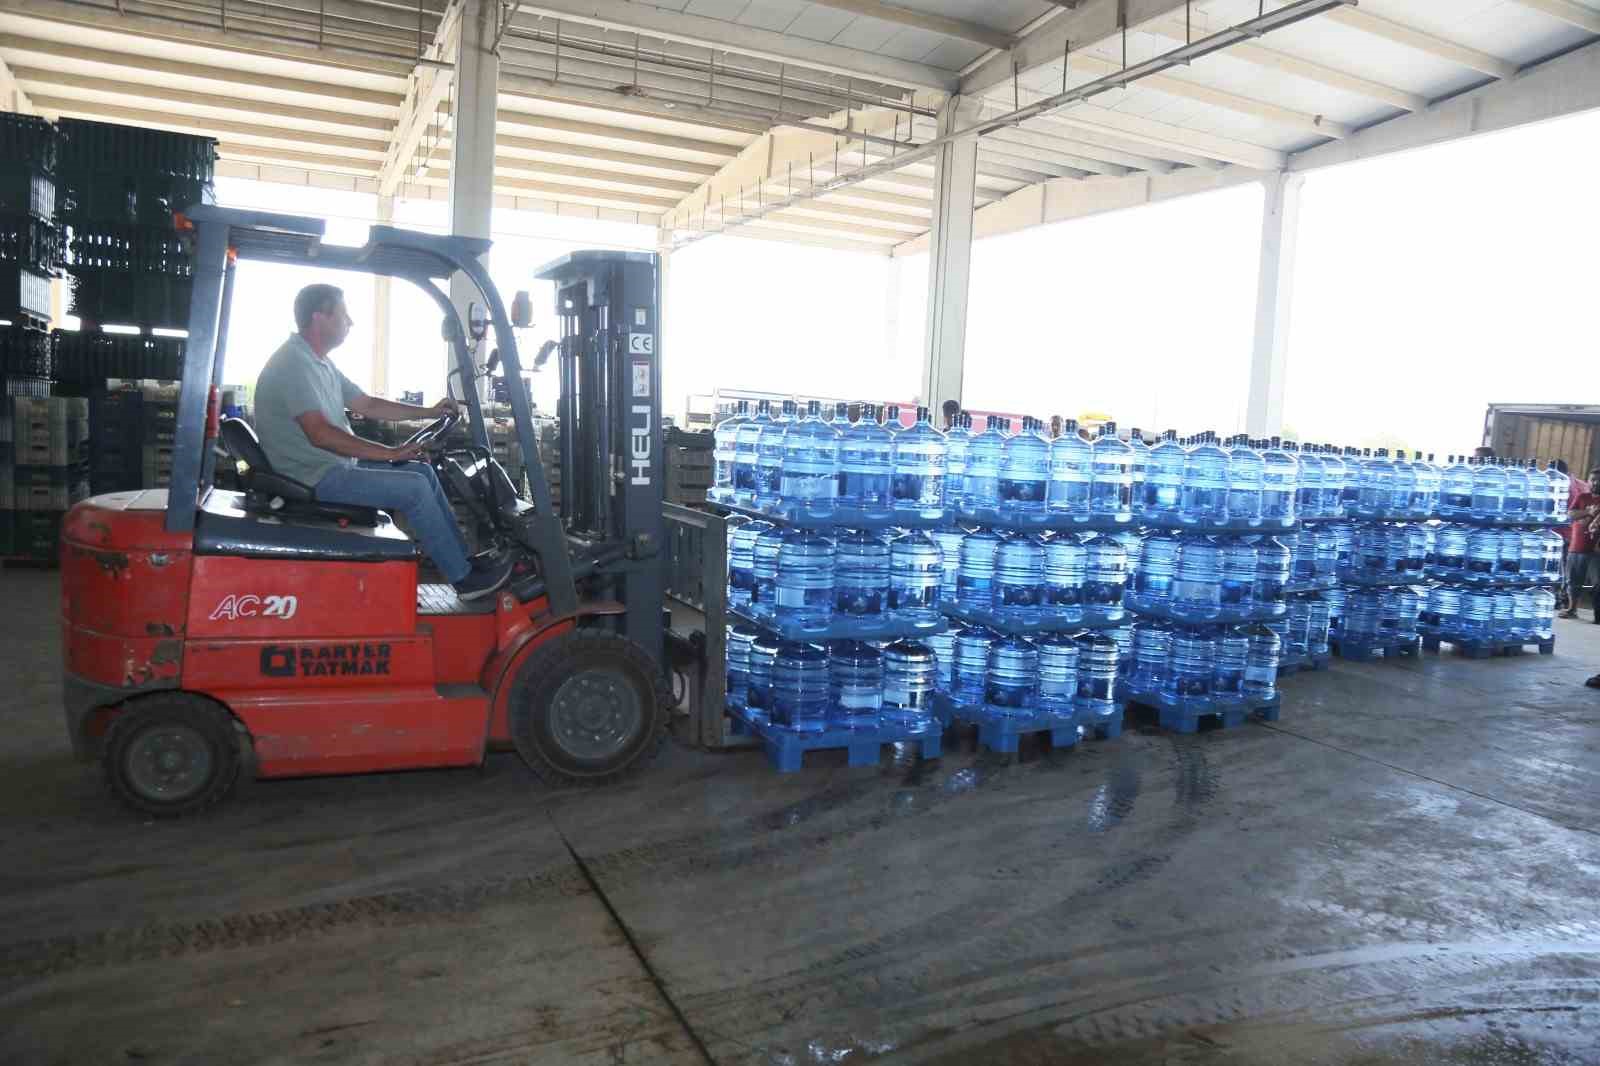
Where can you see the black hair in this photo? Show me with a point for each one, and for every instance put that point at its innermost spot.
(313, 298)
(1561, 465)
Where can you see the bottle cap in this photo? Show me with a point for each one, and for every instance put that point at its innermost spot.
(744, 405)
(922, 413)
(869, 412)
(813, 407)
(763, 407)
(788, 407)
(841, 410)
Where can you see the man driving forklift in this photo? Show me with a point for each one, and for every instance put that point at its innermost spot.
(300, 403)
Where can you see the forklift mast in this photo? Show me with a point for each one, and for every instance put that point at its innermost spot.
(612, 467)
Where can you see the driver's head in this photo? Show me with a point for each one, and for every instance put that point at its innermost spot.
(321, 318)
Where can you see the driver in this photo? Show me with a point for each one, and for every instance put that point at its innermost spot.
(300, 404)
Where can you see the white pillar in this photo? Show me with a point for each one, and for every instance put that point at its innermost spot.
(1280, 224)
(949, 258)
(380, 313)
(476, 91)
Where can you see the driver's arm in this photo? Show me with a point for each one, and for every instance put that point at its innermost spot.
(392, 411)
(331, 438)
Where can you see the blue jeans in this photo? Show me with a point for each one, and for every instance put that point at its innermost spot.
(1578, 566)
(413, 489)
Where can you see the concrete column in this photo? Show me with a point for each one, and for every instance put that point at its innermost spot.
(476, 92)
(950, 258)
(1280, 224)
(380, 313)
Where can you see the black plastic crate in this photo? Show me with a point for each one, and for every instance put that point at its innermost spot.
(113, 297)
(87, 146)
(30, 242)
(24, 352)
(36, 534)
(26, 192)
(28, 141)
(127, 249)
(89, 357)
(24, 296)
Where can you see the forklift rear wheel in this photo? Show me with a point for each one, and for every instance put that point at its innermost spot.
(171, 755)
(587, 707)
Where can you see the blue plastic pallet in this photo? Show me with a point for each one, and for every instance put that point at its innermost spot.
(1265, 526)
(830, 516)
(1542, 522)
(1003, 733)
(1498, 581)
(1186, 717)
(1041, 521)
(1364, 580)
(1294, 664)
(1487, 649)
(838, 626)
(1316, 584)
(786, 748)
(1048, 620)
(1226, 616)
(1361, 650)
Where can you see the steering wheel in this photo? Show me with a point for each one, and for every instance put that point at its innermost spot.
(432, 435)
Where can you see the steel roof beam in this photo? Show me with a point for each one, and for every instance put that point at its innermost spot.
(959, 29)
(1585, 18)
(1085, 25)
(208, 127)
(1422, 41)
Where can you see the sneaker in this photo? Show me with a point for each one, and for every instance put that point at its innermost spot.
(1570, 612)
(486, 582)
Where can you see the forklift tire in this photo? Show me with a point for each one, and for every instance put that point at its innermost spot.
(171, 755)
(587, 707)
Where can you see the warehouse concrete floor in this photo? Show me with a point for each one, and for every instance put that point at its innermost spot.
(1403, 870)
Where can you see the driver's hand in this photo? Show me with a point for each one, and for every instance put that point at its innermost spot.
(406, 452)
(446, 406)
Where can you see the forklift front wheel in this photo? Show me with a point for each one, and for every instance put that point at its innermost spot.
(172, 754)
(587, 707)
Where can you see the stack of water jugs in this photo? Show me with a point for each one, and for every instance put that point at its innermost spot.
(1238, 556)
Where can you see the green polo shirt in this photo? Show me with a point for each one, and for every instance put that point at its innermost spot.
(294, 381)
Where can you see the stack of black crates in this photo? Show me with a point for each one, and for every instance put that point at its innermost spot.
(96, 202)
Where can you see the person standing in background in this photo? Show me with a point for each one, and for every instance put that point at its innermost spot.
(1583, 507)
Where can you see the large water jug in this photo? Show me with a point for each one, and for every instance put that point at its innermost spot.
(1554, 548)
(1522, 614)
(764, 566)
(1024, 471)
(971, 667)
(1197, 585)
(725, 449)
(1123, 635)
(1298, 637)
(746, 453)
(1344, 535)
(943, 646)
(1232, 658)
(1194, 654)
(855, 685)
(1544, 614)
(1425, 504)
(1402, 486)
(810, 466)
(1163, 477)
(1419, 542)
(1488, 490)
(1245, 468)
(769, 455)
(1354, 465)
(1442, 611)
(739, 639)
(1321, 618)
(1325, 551)
(1450, 550)
(956, 442)
(1377, 485)
(861, 573)
(916, 570)
(1509, 563)
(919, 467)
(1362, 614)
(1012, 686)
(1455, 489)
(1019, 575)
(1477, 614)
(1106, 575)
(805, 577)
(1097, 701)
(1058, 672)
(1261, 669)
(1335, 600)
(1272, 571)
(1141, 466)
(949, 539)
(1335, 478)
(1309, 480)
(1158, 561)
(1205, 482)
(865, 455)
(910, 678)
(1240, 560)
(763, 657)
(1505, 610)
(985, 452)
(1111, 475)
(1514, 504)
(800, 687)
(1280, 483)
(975, 581)
(1560, 490)
(1483, 553)
(1133, 545)
(742, 561)
(1152, 652)
(1071, 471)
(1066, 568)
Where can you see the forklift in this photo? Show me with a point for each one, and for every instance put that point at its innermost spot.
(211, 633)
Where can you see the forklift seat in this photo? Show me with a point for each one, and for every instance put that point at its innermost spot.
(271, 493)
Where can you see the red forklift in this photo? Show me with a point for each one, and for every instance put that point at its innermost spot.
(209, 633)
